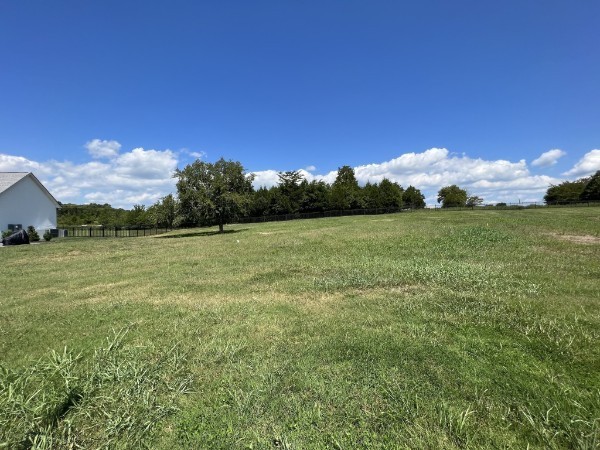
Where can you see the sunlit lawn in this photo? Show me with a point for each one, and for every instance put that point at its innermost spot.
(430, 329)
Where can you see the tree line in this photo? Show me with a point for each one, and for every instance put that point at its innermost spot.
(217, 193)
(221, 192)
(582, 190)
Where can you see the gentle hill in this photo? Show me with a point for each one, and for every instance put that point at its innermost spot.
(424, 330)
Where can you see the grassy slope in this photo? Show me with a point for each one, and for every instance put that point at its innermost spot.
(426, 329)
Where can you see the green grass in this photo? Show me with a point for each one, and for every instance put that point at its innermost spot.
(472, 329)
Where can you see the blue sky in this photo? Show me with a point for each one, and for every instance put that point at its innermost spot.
(102, 100)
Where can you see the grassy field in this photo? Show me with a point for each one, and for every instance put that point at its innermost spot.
(415, 330)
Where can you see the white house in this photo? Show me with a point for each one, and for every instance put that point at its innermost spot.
(25, 201)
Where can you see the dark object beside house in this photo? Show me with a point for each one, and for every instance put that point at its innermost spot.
(18, 238)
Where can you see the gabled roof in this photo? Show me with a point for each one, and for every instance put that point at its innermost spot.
(9, 179)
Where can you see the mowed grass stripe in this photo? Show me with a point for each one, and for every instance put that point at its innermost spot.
(421, 330)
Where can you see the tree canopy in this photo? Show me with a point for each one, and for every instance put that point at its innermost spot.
(413, 198)
(345, 192)
(565, 192)
(213, 192)
(452, 196)
(591, 191)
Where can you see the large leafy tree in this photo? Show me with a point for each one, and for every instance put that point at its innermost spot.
(413, 198)
(213, 192)
(452, 196)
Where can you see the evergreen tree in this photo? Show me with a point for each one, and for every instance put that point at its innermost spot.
(315, 196)
(391, 194)
(372, 196)
(345, 192)
(290, 186)
(591, 191)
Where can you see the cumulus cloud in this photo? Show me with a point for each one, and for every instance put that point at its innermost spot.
(587, 165)
(103, 149)
(494, 180)
(139, 176)
(548, 158)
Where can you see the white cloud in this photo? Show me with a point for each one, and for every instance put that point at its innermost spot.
(103, 149)
(143, 176)
(494, 180)
(139, 176)
(265, 178)
(587, 165)
(145, 164)
(548, 158)
(195, 154)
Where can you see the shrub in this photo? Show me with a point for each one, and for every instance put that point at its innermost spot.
(47, 236)
(33, 235)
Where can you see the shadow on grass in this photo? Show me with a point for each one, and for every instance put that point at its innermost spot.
(199, 234)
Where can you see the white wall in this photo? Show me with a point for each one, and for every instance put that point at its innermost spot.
(26, 204)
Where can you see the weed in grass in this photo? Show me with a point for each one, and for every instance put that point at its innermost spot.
(66, 401)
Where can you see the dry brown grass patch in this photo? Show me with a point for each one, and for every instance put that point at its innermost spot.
(577, 239)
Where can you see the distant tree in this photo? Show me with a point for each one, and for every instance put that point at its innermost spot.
(95, 214)
(290, 185)
(452, 196)
(261, 202)
(566, 192)
(215, 192)
(413, 198)
(391, 194)
(591, 191)
(138, 217)
(474, 200)
(372, 196)
(163, 212)
(280, 203)
(345, 192)
(315, 196)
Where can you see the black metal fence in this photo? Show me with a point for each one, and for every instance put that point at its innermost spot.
(100, 232)
(320, 214)
(520, 205)
(118, 232)
(373, 211)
